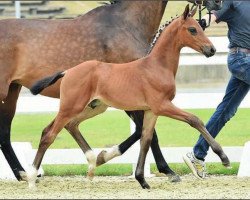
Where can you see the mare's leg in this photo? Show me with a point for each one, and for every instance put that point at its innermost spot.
(7, 112)
(169, 110)
(137, 117)
(146, 138)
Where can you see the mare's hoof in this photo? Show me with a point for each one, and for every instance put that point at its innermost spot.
(227, 165)
(100, 158)
(23, 176)
(174, 178)
(226, 162)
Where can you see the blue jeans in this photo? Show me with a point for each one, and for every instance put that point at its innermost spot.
(237, 88)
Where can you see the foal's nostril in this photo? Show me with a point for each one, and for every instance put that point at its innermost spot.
(209, 51)
(213, 50)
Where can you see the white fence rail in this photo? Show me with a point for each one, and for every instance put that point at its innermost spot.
(26, 155)
(171, 154)
(184, 100)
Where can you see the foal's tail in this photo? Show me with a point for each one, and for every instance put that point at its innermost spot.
(40, 85)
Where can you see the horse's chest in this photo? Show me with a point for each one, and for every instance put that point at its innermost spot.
(170, 89)
(163, 83)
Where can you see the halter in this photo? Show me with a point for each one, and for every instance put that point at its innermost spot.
(201, 7)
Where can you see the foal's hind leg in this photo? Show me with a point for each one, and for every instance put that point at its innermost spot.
(90, 156)
(73, 129)
(70, 107)
(169, 110)
(7, 112)
(48, 136)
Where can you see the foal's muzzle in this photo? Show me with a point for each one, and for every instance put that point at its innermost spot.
(209, 51)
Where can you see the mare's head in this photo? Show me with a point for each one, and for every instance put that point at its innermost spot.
(190, 34)
(209, 4)
(212, 4)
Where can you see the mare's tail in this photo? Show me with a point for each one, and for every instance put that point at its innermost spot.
(40, 85)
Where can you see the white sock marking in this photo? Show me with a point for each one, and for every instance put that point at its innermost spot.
(114, 152)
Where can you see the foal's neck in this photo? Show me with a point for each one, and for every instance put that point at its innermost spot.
(167, 49)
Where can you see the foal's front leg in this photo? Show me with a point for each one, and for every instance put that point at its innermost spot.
(169, 110)
(146, 138)
(161, 163)
(137, 117)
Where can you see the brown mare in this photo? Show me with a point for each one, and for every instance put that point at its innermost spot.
(145, 84)
(33, 49)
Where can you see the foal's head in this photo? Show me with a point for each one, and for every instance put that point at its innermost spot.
(190, 34)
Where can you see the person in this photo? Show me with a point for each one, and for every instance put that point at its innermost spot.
(237, 16)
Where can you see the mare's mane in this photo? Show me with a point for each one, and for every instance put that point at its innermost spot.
(103, 4)
(111, 2)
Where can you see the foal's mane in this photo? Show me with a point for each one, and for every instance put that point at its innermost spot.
(158, 33)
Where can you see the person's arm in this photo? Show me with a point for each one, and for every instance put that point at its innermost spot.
(225, 14)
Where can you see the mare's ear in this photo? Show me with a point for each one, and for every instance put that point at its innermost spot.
(186, 12)
(192, 12)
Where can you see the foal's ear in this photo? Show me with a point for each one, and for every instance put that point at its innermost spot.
(192, 12)
(186, 12)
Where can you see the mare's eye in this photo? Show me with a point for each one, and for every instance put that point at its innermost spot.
(192, 30)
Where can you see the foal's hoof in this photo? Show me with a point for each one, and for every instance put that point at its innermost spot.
(174, 178)
(100, 158)
(90, 175)
(32, 177)
(144, 185)
(142, 182)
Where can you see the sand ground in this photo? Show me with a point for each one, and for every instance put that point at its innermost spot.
(213, 187)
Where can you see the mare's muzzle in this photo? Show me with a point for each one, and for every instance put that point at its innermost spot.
(213, 4)
(209, 4)
(208, 51)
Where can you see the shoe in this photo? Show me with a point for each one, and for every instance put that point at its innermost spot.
(197, 166)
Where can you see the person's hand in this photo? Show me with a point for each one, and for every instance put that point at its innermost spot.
(207, 20)
(203, 24)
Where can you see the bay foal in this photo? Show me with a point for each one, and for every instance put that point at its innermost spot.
(146, 84)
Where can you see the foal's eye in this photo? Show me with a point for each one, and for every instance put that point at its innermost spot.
(192, 30)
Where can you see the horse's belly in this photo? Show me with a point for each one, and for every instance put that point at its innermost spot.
(128, 104)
